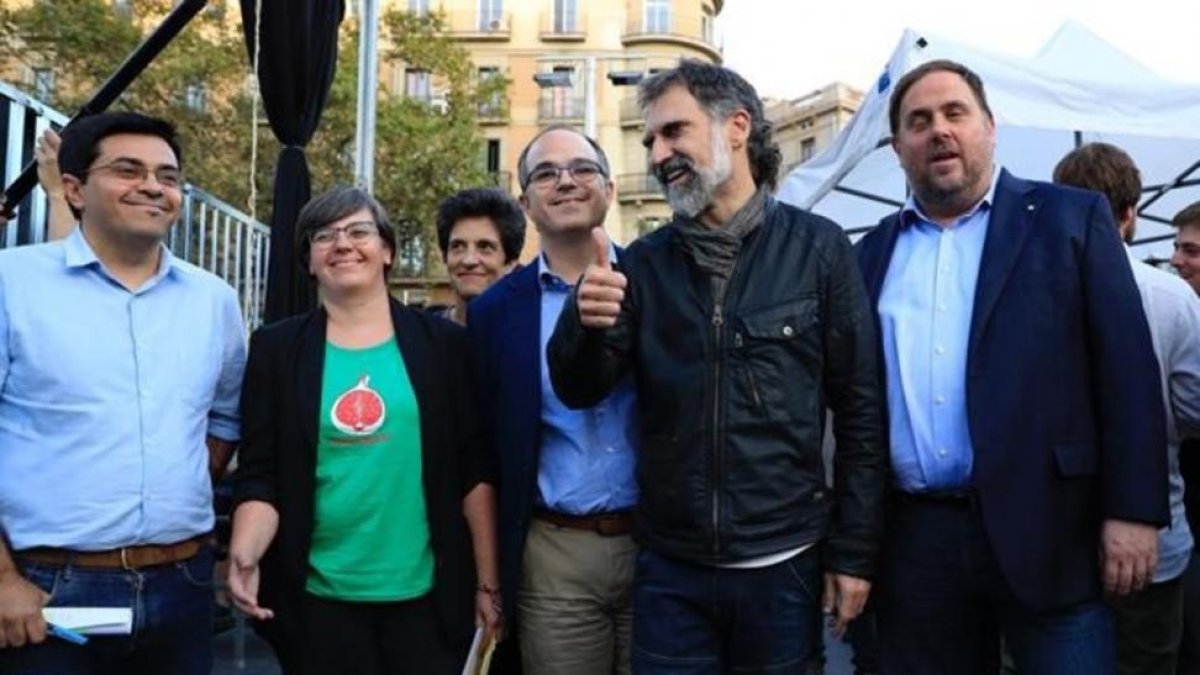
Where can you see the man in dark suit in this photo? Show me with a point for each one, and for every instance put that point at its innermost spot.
(566, 476)
(1023, 397)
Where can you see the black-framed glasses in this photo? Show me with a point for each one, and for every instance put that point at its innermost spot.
(358, 233)
(129, 170)
(545, 176)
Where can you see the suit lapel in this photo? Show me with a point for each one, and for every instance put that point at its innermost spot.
(310, 365)
(422, 366)
(1011, 221)
(888, 232)
(524, 345)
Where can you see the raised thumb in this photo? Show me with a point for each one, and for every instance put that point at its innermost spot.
(600, 239)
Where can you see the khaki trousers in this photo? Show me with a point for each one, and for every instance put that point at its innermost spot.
(574, 608)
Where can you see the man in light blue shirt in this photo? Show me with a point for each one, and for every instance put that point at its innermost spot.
(567, 486)
(120, 370)
(1150, 623)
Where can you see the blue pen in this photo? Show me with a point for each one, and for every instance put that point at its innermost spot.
(67, 634)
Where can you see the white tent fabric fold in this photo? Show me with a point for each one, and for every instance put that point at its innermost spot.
(1078, 88)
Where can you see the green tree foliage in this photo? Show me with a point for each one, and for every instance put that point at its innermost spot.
(425, 150)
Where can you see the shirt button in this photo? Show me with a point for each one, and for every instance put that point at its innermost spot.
(942, 307)
(939, 349)
(939, 399)
(788, 331)
(942, 452)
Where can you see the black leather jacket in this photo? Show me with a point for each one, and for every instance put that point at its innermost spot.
(732, 395)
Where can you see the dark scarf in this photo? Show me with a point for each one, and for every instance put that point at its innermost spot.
(715, 250)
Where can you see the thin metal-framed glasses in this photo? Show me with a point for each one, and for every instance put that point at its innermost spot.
(358, 233)
(129, 170)
(545, 176)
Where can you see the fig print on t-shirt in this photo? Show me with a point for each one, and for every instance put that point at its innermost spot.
(360, 410)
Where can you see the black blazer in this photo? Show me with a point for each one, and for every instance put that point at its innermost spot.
(1063, 394)
(277, 463)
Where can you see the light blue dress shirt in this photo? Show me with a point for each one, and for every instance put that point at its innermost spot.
(925, 310)
(587, 457)
(106, 396)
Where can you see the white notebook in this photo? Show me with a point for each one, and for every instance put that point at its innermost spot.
(91, 620)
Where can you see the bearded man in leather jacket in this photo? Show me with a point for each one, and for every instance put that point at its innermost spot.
(742, 322)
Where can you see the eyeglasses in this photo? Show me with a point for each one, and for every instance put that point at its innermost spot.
(357, 233)
(545, 176)
(126, 170)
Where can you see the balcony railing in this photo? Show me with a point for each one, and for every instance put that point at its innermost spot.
(638, 186)
(631, 112)
(563, 26)
(476, 25)
(560, 109)
(689, 29)
(209, 233)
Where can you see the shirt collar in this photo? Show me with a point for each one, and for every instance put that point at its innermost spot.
(912, 213)
(79, 253)
(547, 276)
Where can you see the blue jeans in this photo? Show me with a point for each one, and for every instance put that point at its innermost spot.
(172, 621)
(697, 620)
(942, 603)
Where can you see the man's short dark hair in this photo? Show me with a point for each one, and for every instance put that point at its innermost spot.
(1106, 169)
(1188, 217)
(81, 139)
(938, 66)
(491, 203)
(720, 92)
(523, 169)
(333, 205)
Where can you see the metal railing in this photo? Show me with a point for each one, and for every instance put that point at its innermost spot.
(209, 233)
(555, 108)
(638, 185)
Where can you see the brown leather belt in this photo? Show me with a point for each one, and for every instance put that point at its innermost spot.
(603, 524)
(128, 558)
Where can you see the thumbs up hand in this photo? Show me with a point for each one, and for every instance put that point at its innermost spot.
(601, 289)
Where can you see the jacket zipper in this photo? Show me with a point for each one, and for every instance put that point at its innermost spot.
(718, 322)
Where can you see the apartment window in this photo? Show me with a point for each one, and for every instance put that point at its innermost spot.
(43, 83)
(706, 28)
(563, 99)
(808, 148)
(658, 16)
(492, 156)
(495, 103)
(418, 7)
(491, 14)
(565, 14)
(195, 98)
(416, 84)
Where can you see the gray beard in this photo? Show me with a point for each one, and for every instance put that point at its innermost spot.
(694, 196)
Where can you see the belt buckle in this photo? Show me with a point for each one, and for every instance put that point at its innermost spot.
(124, 550)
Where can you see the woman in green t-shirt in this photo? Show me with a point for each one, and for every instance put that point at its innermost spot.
(361, 492)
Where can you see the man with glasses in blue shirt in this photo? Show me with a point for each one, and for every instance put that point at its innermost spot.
(566, 476)
(120, 369)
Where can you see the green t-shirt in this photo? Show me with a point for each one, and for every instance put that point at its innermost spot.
(370, 532)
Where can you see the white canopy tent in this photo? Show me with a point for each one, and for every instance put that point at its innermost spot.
(1077, 89)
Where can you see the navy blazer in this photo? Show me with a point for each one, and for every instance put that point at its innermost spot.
(1063, 397)
(504, 333)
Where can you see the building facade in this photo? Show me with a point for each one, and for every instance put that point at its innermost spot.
(572, 62)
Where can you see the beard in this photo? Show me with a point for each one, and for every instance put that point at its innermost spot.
(695, 194)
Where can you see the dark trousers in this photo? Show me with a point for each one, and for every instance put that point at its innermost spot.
(1189, 646)
(172, 620)
(942, 602)
(693, 620)
(374, 638)
(1149, 628)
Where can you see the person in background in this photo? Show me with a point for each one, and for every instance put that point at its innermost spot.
(480, 233)
(1150, 622)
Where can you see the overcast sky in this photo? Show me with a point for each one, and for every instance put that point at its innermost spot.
(787, 48)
